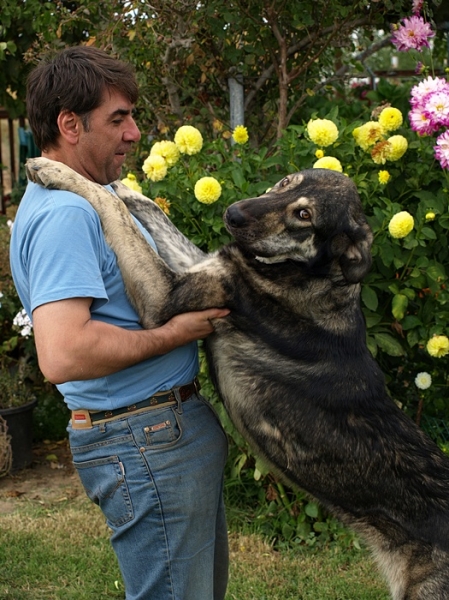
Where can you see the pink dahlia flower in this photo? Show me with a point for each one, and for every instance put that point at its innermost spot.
(420, 122)
(436, 108)
(442, 149)
(430, 85)
(414, 33)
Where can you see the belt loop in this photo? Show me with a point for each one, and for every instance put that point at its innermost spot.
(196, 385)
(178, 400)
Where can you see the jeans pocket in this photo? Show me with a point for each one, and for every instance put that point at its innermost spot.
(105, 484)
(162, 430)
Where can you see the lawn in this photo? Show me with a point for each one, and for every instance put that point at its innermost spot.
(58, 549)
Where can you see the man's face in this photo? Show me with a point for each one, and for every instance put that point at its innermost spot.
(111, 131)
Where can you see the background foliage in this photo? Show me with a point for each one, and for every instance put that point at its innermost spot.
(185, 51)
(295, 60)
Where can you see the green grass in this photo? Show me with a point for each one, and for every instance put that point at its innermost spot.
(63, 552)
(60, 551)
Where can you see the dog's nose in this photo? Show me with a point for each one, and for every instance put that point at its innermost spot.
(235, 217)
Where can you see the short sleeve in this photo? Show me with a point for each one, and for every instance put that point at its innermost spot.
(63, 256)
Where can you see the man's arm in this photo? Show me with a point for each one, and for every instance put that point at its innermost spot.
(71, 346)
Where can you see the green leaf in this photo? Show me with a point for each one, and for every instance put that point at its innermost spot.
(428, 233)
(287, 531)
(372, 319)
(444, 221)
(389, 344)
(422, 262)
(238, 178)
(413, 338)
(410, 322)
(303, 530)
(411, 294)
(372, 346)
(399, 306)
(436, 272)
(386, 253)
(312, 510)
(369, 298)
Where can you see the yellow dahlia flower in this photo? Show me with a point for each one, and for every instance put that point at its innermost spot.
(381, 152)
(319, 154)
(163, 204)
(217, 125)
(430, 216)
(207, 190)
(240, 135)
(384, 177)
(168, 150)
(328, 162)
(131, 182)
(189, 140)
(155, 167)
(390, 118)
(322, 132)
(438, 346)
(368, 134)
(398, 147)
(401, 224)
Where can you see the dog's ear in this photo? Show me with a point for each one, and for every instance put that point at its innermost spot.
(353, 250)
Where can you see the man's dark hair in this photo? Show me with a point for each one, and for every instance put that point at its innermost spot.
(73, 80)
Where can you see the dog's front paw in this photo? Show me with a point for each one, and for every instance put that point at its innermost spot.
(45, 172)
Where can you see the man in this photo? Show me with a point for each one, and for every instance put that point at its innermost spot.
(148, 449)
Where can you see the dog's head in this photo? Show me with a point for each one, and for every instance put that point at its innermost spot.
(313, 217)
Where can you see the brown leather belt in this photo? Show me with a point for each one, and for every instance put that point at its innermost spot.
(85, 419)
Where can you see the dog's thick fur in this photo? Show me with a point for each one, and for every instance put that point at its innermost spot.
(290, 361)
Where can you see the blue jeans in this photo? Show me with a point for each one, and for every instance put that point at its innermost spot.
(158, 478)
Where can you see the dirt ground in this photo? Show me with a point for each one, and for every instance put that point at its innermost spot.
(50, 478)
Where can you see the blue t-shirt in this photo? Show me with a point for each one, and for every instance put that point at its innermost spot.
(57, 252)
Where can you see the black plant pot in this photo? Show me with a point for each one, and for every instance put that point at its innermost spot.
(20, 427)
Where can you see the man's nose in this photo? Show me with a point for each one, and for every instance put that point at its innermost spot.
(132, 133)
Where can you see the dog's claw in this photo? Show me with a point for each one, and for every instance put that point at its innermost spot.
(42, 171)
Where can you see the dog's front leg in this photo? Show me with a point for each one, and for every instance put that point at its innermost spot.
(176, 250)
(148, 279)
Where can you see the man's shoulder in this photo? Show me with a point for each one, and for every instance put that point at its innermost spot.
(43, 197)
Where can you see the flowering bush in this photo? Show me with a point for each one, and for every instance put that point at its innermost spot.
(404, 297)
(405, 195)
(193, 180)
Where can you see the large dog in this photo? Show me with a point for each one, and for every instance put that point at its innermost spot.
(290, 361)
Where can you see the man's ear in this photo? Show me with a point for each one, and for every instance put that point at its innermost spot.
(70, 126)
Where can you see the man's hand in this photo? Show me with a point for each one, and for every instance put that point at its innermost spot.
(193, 325)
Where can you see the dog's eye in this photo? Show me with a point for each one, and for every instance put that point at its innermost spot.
(303, 214)
(284, 182)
